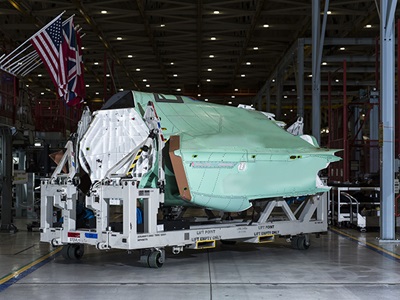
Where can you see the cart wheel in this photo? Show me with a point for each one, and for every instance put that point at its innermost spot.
(303, 243)
(155, 260)
(75, 251)
(300, 242)
(64, 252)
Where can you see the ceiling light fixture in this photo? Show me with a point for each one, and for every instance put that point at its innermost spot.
(213, 38)
(216, 12)
(137, 70)
(368, 26)
(175, 75)
(209, 70)
(243, 75)
(342, 48)
(248, 63)
(211, 56)
(255, 48)
(178, 90)
(144, 80)
(208, 80)
(229, 102)
(119, 38)
(265, 25)
(96, 63)
(103, 12)
(130, 56)
(162, 25)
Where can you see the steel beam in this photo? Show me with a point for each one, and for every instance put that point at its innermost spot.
(387, 34)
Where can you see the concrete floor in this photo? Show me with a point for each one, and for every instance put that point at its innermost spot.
(343, 264)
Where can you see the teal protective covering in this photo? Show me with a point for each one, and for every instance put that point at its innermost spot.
(232, 155)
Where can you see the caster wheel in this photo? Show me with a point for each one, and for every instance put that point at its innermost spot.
(300, 242)
(155, 260)
(76, 251)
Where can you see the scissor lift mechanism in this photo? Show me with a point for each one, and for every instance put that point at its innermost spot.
(60, 192)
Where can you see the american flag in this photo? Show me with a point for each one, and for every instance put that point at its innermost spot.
(47, 44)
(59, 46)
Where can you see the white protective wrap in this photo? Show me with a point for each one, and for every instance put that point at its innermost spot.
(112, 134)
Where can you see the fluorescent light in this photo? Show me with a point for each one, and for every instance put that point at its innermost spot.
(119, 38)
(243, 75)
(208, 80)
(209, 70)
(147, 85)
(229, 102)
(248, 63)
(211, 56)
(368, 26)
(172, 62)
(213, 38)
(37, 144)
(175, 75)
(97, 93)
(96, 63)
(265, 25)
(103, 11)
(162, 25)
(324, 63)
(233, 96)
(198, 95)
(178, 90)
(328, 12)
(216, 12)
(137, 70)
(144, 80)
(130, 56)
(206, 100)
(87, 85)
(236, 90)
(255, 48)
(39, 75)
(342, 48)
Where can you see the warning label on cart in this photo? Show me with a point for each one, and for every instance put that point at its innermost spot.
(74, 240)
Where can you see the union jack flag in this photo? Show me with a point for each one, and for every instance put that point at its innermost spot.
(74, 90)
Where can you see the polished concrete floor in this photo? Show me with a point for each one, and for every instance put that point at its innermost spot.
(343, 264)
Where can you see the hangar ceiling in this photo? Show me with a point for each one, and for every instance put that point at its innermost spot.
(222, 51)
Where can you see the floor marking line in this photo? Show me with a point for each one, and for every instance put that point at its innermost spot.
(16, 273)
(366, 244)
(24, 250)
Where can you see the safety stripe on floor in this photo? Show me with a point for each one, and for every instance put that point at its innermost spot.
(17, 275)
(371, 246)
